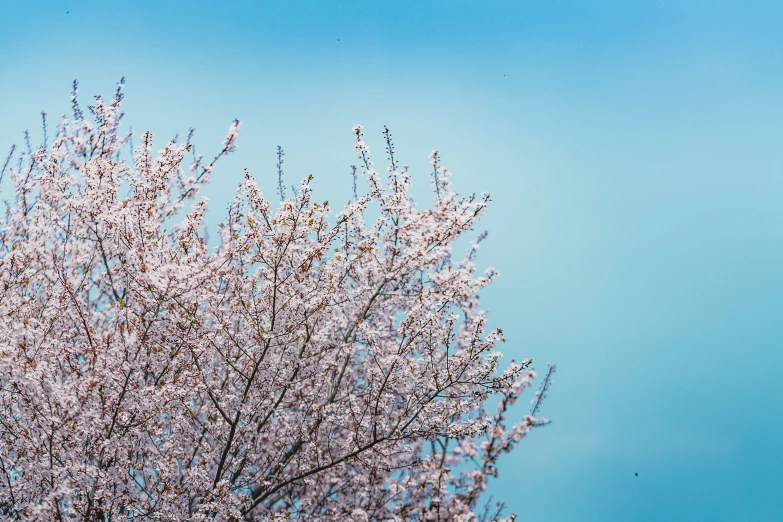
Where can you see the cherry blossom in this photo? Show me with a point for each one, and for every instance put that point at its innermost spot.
(314, 365)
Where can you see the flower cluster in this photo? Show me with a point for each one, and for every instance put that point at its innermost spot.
(311, 366)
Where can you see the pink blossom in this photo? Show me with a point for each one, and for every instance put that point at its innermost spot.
(310, 367)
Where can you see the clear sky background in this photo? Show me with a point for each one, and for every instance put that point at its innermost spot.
(633, 151)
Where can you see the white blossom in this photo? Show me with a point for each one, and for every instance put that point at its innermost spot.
(309, 367)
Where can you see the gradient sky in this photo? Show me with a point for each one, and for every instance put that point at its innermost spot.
(633, 151)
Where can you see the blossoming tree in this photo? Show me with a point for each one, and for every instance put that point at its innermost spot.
(311, 366)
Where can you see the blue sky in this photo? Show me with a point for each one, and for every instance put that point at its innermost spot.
(633, 151)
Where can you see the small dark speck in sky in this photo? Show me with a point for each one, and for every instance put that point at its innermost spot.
(635, 474)
(66, 12)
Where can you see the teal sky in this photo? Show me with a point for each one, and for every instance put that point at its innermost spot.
(633, 152)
